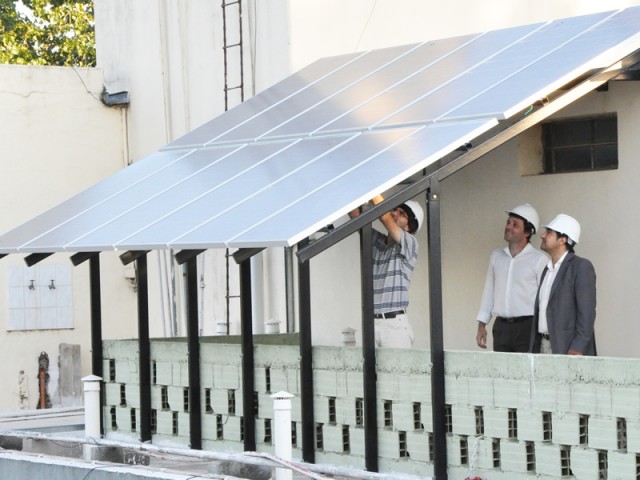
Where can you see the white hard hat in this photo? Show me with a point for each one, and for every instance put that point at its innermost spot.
(566, 225)
(417, 211)
(527, 212)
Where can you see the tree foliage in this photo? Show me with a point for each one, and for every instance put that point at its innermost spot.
(47, 32)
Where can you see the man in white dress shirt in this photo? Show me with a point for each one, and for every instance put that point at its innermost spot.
(512, 281)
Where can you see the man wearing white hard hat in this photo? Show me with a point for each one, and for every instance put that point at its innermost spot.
(566, 303)
(394, 258)
(511, 284)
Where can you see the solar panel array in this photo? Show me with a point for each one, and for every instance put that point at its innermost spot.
(301, 154)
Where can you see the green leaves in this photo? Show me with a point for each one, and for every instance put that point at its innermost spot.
(46, 32)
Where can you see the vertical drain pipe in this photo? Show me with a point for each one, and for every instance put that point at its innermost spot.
(91, 413)
(282, 430)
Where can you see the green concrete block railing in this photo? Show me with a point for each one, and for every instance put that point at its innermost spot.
(508, 415)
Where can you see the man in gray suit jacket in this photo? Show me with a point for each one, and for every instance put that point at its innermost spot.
(565, 308)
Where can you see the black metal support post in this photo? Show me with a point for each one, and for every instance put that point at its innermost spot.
(369, 352)
(96, 316)
(248, 367)
(144, 349)
(193, 341)
(437, 343)
(97, 361)
(306, 361)
(96, 319)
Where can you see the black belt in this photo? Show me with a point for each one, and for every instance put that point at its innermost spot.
(514, 319)
(544, 335)
(389, 314)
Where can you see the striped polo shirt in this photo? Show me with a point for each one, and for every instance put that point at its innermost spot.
(393, 264)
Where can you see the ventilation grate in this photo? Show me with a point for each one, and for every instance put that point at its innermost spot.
(359, 412)
(479, 414)
(402, 445)
(174, 423)
(388, 413)
(267, 431)
(231, 402)
(123, 395)
(208, 408)
(546, 426)
(513, 423)
(583, 432)
(134, 421)
(114, 420)
(417, 416)
(319, 437)
(621, 427)
(332, 410)
(185, 399)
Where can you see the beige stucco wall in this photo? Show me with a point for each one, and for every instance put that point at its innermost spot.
(321, 28)
(57, 139)
(168, 55)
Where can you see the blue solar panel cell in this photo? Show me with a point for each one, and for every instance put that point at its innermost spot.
(229, 196)
(270, 98)
(357, 95)
(289, 109)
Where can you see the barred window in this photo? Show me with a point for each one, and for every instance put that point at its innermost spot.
(580, 144)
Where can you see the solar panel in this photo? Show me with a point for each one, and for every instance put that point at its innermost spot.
(304, 152)
(270, 98)
(57, 217)
(346, 178)
(353, 96)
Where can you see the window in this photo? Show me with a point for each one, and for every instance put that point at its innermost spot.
(580, 144)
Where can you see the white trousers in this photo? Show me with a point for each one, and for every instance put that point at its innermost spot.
(394, 332)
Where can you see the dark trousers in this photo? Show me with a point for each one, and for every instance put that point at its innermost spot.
(512, 334)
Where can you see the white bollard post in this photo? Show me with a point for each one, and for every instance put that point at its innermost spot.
(91, 412)
(349, 337)
(282, 430)
(272, 326)
(221, 327)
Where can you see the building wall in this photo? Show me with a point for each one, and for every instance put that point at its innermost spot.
(57, 139)
(321, 28)
(169, 57)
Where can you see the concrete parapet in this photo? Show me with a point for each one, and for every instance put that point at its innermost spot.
(517, 415)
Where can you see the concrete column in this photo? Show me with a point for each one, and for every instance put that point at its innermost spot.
(282, 430)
